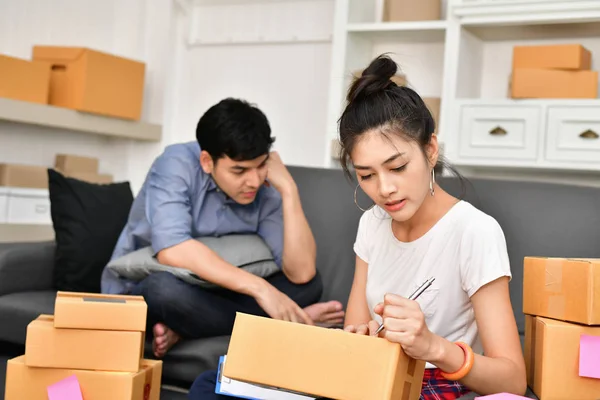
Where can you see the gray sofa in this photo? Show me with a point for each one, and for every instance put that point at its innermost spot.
(538, 220)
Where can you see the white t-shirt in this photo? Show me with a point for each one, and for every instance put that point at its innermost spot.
(463, 251)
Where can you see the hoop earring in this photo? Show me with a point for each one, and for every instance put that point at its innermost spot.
(356, 202)
(432, 182)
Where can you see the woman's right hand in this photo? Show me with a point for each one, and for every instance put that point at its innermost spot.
(363, 329)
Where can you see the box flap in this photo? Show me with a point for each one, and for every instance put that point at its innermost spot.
(57, 54)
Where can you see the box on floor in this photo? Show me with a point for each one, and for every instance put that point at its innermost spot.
(50, 347)
(24, 80)
(95, 82)
(31, 383)
(320, 362)
(553, 351)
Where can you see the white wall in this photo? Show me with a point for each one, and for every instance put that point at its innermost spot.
(286, 78)
(128, 28)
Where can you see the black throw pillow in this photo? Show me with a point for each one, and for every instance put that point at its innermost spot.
(88, 219)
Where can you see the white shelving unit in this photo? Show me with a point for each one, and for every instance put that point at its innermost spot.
(63, 118)
(466, 60)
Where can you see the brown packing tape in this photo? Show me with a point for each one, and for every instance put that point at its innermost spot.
(553, 284)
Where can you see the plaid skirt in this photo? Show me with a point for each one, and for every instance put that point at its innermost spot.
(436, 387)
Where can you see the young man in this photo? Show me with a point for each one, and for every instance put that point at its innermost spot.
(226, 182)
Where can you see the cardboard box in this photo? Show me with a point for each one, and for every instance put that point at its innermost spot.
(320, 362)
(563, 56)
(30, 383)
(530, 83)
(410, 10)
(23, 176)
(100, 312)
(565, 289)
(24, 80)
(100, 179)
(552, 360)
(49, 347)
(71, 163)
(434, 105)
(95, 82)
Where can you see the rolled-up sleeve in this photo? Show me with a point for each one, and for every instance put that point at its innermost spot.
(168, 202)
(270, 226)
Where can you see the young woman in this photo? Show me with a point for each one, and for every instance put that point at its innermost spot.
(415, 231)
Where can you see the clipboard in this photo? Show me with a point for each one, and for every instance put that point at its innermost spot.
(243, 390)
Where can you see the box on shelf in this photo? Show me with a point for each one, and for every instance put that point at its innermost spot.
(561, 288)
(410, 10)
(561, 56)
(23, 382)
(558, 359)
(24, 80)
(25, 206)
(74, 163)
(50, 347)
(100, 311)
(23, 176)
(95, 82)
(434, 104)
(530, 83)
(319, 361)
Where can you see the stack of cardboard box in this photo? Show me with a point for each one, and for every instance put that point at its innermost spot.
(97, 340)
(555, 71)
(561, 302)
(77, 78)
(82, 168)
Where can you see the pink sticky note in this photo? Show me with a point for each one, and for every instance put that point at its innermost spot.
(589, 356)
(501, 396)
(67, 389)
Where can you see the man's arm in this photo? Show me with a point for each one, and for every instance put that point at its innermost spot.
(299, 247)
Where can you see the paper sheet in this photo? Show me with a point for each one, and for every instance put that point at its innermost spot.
(589, 356)
(67, 389)
(501, 396)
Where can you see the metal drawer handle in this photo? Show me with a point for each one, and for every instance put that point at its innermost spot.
(589, 134)
(498, 131)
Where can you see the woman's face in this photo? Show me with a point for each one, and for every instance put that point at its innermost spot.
(393, 172)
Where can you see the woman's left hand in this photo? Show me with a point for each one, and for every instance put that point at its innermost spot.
(405, 324)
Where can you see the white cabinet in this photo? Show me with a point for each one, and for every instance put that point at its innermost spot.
(573, 134)
(509, 133)
(28, 206)
(3, 204)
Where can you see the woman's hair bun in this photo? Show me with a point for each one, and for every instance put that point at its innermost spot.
(375, 78)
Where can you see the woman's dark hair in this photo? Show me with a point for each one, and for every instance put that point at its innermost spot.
(235, 129)
(376, 102)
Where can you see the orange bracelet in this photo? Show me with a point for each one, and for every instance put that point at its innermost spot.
(465, 368)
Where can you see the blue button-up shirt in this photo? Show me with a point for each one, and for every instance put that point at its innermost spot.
(179, 201)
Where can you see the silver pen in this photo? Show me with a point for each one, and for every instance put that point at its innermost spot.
(413, 296)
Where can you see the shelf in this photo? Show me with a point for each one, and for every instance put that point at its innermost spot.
(418, 31)
(13, 233)
(530, 102)
(63, 118)
(504, 31)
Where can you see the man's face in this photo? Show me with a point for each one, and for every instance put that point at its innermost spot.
(240, 180)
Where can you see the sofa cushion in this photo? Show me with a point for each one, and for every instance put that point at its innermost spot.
(88, 219)
(17, 310)
(249, 252)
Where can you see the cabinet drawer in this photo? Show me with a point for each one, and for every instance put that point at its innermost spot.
(499, 132)
(573, 134)
(28, 206)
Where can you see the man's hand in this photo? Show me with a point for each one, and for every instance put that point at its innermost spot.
(279, 306)
(278, 175)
